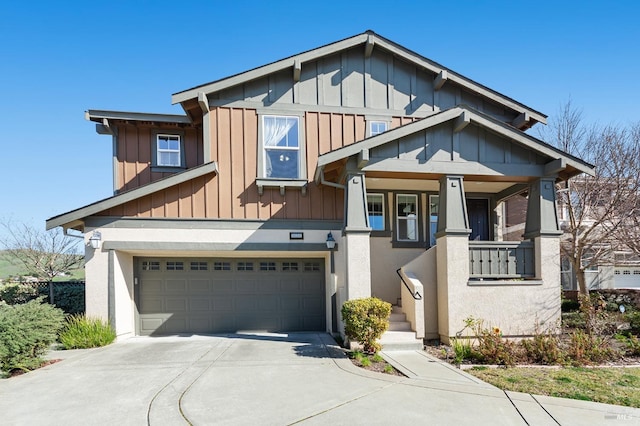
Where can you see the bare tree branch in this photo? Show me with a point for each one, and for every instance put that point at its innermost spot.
(598, 211)
(47, 254)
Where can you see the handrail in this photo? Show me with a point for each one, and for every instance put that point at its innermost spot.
(415, 296)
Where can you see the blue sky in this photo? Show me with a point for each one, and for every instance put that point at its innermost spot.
(58, 59)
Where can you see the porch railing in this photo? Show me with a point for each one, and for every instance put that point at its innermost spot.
(501, 260)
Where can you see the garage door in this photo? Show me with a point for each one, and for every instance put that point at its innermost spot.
(176, 295)
(627, 277)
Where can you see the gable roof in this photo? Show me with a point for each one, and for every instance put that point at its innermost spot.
(465, 114)
(73, 218)
(370, 39)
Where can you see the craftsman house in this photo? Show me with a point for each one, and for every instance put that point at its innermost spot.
(354, 169)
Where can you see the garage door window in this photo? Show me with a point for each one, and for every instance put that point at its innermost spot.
(267, 266)
(221, 266)
(199, 266)
(175, 266)
(289, 266)
(150, 266)
(245, 266)
(311, 266)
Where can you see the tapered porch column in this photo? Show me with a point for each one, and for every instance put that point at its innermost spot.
(542, 227)
(542, 216)
(357, 232)
(452, 256)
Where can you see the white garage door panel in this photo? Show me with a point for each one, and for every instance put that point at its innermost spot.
(229, 295)
(627, 277)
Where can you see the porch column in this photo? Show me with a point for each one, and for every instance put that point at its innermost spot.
(357, 232)
(452, 257)
(542, 216)
(543, 229)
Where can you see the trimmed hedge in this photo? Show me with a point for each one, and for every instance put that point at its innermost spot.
(26, 332)
(365, 320)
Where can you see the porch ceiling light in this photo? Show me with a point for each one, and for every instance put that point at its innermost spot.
(95, 239)
(331, 243)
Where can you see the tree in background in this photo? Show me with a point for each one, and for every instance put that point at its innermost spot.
(595, 210)
(46, 254)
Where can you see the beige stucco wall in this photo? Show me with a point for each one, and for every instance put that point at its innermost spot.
(385, 260)
(513, 306)
(97, 262)
(424, 269)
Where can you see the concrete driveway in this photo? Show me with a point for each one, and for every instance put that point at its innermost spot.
(266, 379)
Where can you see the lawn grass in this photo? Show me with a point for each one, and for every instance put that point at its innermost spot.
(619, 386)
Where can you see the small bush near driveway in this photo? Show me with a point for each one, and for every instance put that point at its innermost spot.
(26, 332)
(365, 320)
(81, 332)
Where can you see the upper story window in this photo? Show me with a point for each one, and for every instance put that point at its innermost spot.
(281, 145)
(168, 151)
(375, 211)
(407, 217)
(377, 127)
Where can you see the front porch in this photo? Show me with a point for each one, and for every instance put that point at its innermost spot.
(426, 199)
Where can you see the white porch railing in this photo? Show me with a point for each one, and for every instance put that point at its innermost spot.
(501, 259)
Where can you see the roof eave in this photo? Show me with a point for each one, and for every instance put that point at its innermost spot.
(369, 38)
(72, 217)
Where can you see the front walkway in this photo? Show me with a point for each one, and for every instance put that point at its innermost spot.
(534, 409)
(275, 379)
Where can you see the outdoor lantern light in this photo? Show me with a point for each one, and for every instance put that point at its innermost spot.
(331, 243)
(95, 239)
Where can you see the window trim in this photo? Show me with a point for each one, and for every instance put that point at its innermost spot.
(155, 167)
(419, 243)
(369, 119)
(302, 164)
(386, 232)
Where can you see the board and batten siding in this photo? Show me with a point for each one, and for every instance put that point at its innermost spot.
(134, 153)
(382, 83)
(233, 194)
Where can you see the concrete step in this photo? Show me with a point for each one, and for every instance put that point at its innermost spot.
(399, 326)
(393, 340)
(397, 317)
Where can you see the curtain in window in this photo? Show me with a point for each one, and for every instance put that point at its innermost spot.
(273, 131)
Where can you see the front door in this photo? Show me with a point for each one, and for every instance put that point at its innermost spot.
(478, 211)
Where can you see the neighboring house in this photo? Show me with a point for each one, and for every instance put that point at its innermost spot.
(222, 217)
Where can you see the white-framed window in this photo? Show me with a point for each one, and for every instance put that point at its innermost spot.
(168, 151)
(377, 127)
(375, 211)
(407, 217)
(281, 147)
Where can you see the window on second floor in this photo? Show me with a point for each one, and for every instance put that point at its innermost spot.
(377, 127)
(168, 154)
(168, 151)
(281, 147)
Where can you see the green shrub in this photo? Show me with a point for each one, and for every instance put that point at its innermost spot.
(26, 332)
(15, 293)
(81, 332)
(633, 345)
(569, 305)
(462, 349)
(634, 321)
(365, 320)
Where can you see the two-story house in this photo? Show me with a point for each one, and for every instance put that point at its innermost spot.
(225, 218)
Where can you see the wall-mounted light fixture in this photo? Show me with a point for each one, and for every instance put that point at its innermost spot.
(95, 239)
(331, 243)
